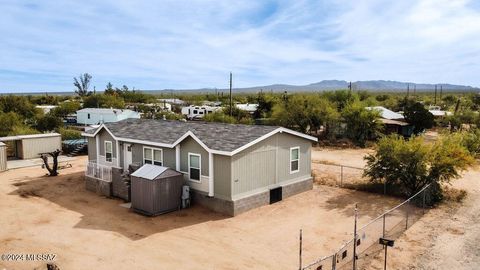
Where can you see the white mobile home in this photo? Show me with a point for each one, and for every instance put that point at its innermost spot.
(94, 116)
(198, 112)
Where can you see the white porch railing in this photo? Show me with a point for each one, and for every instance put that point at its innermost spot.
(102, 160)
(99, 171)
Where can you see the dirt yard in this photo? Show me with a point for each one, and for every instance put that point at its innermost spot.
(57, 215)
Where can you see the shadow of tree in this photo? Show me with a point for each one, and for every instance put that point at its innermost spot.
(101, 213)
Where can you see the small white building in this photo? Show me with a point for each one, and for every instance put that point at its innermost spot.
(46, 108)
(198, 112)
(95, 116)
(250, 108)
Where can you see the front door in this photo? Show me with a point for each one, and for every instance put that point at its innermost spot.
(128, 155)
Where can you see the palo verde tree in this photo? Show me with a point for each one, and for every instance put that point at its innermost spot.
(410, 165)
(416, 114)
(361, 124)
(82, 84)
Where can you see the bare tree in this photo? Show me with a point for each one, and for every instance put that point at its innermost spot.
(82, 84)
(54, 170)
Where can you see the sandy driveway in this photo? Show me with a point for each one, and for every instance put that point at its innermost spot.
(57, 215)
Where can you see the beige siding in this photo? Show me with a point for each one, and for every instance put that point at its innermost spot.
(31, 148)
(267, 165)
(189, 145)
(3, 158)
(105, 136)
(168, 155)
(222, 177)
(92, 149)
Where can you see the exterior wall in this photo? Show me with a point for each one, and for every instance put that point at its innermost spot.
(168, 155)
(189, 145)
(105, 136)
(97, 118)
(3, 157)
(266, 165)
(31, 148)
(236, 207)
(98, 186)
(222, 176)
(92, 148)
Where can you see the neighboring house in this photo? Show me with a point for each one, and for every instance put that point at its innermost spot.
(94, 116)
(393, 122)
(31, 146)
(172, 101)
(229, 168)
(250, 108)
(438, 112)
(46, 108)
(198, 112)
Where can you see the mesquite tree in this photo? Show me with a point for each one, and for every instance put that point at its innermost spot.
(53, 171)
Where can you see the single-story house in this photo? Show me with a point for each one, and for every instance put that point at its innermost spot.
(393, 122)
(31, 146)
(230, 168)
(94, 116)
(250, 108)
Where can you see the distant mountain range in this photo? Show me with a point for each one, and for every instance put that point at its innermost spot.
(325, 85)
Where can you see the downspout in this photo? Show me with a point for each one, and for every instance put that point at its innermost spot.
(210, 173)
(118, 153)
(177, 157)
(97, 145)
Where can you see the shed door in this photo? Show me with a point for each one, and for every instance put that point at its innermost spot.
(128, 155)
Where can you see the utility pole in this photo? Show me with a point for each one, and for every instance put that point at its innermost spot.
(350, 87)
(435, 102)
(300, 252)
(231, 108)
(441, 92)
(408, 90)
(415, 90)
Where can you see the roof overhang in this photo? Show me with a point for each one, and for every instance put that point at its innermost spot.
(193, 136)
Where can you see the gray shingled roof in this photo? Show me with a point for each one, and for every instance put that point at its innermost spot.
(217, 136)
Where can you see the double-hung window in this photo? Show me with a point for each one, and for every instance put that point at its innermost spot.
(152, 156)
(194, 164)
(294, 159)
(108, 151)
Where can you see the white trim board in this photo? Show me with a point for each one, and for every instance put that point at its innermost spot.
(189, 133)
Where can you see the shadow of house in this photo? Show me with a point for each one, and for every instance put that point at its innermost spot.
(100, 213)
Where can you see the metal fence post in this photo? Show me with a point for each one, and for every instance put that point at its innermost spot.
(355, 240)
(383, 235)
(341, 176)
(334, 261)
(300, 252)
(423, 206)
(408, 207)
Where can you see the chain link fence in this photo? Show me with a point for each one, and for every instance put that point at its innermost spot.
(337, 175)
(391, 224)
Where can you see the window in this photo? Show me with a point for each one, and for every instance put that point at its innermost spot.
(108, 151)
(88, 116)
(194, 163)
(152, 156)
(294, 159)
(195, 112)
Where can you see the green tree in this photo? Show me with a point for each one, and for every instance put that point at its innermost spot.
(103, 101)
(410, 165)
(66, 108)
(82, 83)
(265, 105)
(48, 122)
(109, 89)
(361, 124)
(416, 114)
(19, 105)
(220, 117)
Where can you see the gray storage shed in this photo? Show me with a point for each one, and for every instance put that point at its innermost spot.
(156, 190)
(3, 157)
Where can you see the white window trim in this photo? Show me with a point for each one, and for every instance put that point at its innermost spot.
(105, 145)
(200, 167)
(290, 164)
(153, 156)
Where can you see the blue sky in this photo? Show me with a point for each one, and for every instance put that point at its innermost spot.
(193, 44)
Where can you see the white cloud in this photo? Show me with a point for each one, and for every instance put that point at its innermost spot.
(175, 44)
